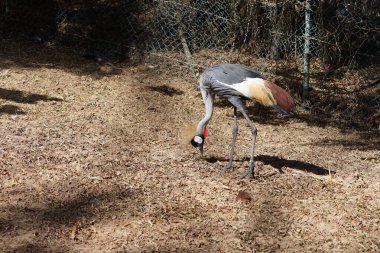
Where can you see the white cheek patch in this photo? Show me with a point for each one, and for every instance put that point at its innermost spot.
(198, 139)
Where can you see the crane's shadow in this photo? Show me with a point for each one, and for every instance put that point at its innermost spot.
(279, 163)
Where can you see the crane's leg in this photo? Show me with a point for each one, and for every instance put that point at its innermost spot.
(249, 172)
(234, 135)
(237, 102)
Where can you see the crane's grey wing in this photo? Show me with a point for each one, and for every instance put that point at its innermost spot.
(233, 73)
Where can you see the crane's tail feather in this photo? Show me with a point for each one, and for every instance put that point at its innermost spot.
(284, 102)
(282, 111)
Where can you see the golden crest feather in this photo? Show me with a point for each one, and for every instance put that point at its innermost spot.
(187, 133)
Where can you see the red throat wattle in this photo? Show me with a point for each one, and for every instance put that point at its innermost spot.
(205, 132)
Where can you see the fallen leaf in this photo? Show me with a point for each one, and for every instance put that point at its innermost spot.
(243, 196)
(73, 233)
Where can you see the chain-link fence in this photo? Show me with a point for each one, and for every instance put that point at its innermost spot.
(192, 33)
(202, 32)
(199, 33)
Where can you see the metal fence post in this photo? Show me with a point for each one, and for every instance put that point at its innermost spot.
(306, 59)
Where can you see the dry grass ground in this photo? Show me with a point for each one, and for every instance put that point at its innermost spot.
(90, 161)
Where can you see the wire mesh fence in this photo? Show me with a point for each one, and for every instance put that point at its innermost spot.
(198, 33)
(192, 33)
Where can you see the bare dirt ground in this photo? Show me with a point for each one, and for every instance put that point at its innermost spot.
(90, 161)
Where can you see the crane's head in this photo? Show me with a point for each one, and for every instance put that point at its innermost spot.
(199, 140)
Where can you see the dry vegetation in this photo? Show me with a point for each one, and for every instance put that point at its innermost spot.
(90, 161)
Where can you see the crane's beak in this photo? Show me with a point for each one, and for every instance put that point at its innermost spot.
(200, 149)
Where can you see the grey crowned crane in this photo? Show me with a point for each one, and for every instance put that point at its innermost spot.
(236, 83)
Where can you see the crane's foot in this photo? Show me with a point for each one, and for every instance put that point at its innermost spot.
(228, 167)
(249, 173)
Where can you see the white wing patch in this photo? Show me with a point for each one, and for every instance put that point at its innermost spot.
(245, 86)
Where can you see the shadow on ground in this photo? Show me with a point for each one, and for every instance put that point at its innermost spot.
(26, 54)
(25, 98)
(74, 218)
(39, 248)
(268, 225)
(10, 109)
(278, 163)
(59, 216)
(166, 90)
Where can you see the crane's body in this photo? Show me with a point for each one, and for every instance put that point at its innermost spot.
(237, 82)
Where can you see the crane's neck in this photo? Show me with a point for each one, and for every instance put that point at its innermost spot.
(208, 100)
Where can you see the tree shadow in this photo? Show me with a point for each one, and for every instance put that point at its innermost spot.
(367, 140)
(70, 211)
(24, 97)
(166, 90)
(167, 249)
(332, 102)
(18, 53)
(267, 220)
(61, 35)
(10, 109)
(75, 216)
(39, 248)
(79, 213)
